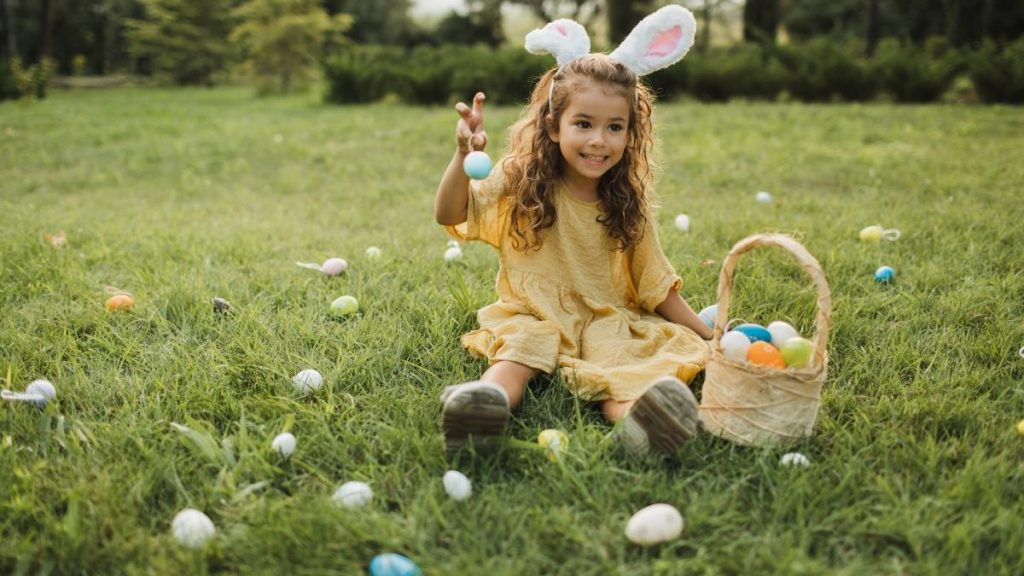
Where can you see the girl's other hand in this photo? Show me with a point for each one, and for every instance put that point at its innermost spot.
(469, 132)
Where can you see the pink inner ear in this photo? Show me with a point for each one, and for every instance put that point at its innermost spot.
(666, 42)
(561, 29)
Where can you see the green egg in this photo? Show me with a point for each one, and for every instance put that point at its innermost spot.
(797, 352)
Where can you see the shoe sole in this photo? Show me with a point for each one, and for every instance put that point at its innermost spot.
(480, 413)
(667, 412)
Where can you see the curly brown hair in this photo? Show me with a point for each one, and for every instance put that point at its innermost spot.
(534, 164)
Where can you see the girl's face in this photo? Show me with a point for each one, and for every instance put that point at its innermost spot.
(592, 132)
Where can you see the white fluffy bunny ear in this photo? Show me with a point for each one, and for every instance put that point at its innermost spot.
(659, 40)
(565, 39)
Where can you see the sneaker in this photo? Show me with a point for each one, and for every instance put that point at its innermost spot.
(661, 421)
(478, 409)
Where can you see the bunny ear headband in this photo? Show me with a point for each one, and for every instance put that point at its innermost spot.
(658, 41)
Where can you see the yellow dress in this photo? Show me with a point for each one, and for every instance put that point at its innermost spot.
(578, 305)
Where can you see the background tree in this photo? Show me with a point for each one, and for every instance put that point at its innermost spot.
(481, 24)
(583, 11)
(760, 21)
(186, 40)
(377, 21)
(622, 16)
(282, 40)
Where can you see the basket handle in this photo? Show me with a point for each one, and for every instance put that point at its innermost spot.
(810, 265)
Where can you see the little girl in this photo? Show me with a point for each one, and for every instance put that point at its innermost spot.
(583, 285)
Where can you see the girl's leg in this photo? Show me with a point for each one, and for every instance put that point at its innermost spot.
(614, 410)
(481, 409)
(661, 420)
(513, 377)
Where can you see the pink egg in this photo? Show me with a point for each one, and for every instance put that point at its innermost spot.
(334, 266)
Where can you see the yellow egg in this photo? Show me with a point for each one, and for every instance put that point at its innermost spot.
(555, 441)
(871, 234)
(119, 302)
(1020, 427)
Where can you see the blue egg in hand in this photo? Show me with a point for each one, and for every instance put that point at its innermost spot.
(884, 275)
(477, 165)
(391, 564)
(755, 332)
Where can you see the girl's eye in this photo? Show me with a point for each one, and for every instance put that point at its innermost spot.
(615, 127)
(583, 124)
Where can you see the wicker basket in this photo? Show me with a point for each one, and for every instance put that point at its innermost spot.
(760, 405)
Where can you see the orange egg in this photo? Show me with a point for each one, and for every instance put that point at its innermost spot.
(119, 302)
(764, 354)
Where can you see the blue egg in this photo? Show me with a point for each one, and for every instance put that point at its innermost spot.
(884, 275)
(708, 315)
(755, 332)
(477, 165)
(391, 564)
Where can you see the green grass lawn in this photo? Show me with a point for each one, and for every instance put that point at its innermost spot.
(180, 195)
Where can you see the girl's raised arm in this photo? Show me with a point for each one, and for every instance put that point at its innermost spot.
(453, 191)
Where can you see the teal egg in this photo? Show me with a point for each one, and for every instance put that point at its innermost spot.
(755, 332)
(391, 564)
(477, 165)
(884, 274)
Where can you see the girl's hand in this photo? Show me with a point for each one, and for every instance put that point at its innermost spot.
(469, 132)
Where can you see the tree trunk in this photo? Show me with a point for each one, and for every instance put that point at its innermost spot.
(760, 21)
(871, 33)
(12, 44)
(623, 15)
(47, 28)
(705, 29)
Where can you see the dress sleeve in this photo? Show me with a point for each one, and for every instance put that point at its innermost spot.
(652, 274)
(486, 211)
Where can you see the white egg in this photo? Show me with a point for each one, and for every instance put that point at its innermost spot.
(453, 243)
(781, 331)
(683, 222)
(43, 388)
(654, 524)
(192, 528)
(735, 345)
(334, 266)
(452, 254)
(353, 494)
(373, 253)
(457, 485)
(307, 380)
(708, 315)
(794, 459)
(763, 197)
(284, 444)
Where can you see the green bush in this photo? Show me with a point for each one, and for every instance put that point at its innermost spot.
(366, 74)
(998, 75)
(912, 74)
(429, 73)
(744, 70)
(432, 75)
(8, 85)
(17, 81)
(670, 82)
(821, 70)
(825, 70)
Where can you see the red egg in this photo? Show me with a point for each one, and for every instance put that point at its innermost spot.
(764, 354)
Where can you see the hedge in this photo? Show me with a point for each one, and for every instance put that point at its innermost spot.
(821, 70)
